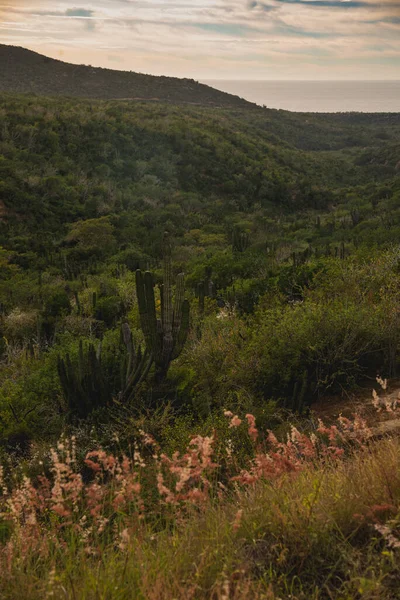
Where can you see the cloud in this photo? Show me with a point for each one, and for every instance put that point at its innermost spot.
(214, 38)
(82, 13)
(393, 20)
(253, 4)
(340, 4)
(327, 4)
(79, 12)
(230, 29)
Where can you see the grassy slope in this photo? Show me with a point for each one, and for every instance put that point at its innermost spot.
(306, 537)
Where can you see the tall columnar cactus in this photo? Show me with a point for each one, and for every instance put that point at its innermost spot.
(209, 286)
(165, 337)
(240, 240)
(205, 289)
(136, 366)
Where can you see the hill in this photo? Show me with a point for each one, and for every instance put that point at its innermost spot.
(280, 275)
(128, 152)
(27, 72)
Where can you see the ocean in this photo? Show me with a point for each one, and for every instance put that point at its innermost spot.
(317, 96)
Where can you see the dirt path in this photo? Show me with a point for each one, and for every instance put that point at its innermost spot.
(381, 422)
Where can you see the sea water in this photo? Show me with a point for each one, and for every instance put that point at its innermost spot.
(317, 96)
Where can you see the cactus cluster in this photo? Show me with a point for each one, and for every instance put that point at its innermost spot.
(87, 383)
(341, 251)
(136, 366)
(165, 336)
(82, 382)
(301, 257)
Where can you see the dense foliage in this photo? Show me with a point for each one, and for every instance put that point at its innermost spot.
(161, 265)
(285, 225)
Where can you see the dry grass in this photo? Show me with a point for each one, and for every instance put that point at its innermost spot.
(317, 524)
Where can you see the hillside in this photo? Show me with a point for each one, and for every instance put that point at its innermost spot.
(297, 190)
(27, 72)
(63, 160)
(184, 291)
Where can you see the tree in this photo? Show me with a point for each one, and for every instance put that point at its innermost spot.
(92, 237)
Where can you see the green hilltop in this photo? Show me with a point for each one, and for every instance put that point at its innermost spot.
(27, 72)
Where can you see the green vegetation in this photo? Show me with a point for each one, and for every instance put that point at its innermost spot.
(287, 229)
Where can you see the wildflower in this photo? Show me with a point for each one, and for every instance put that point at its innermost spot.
(387, 533)
(163, 490)
(376, 401)
(125, 539)
(101, 524)
(238, 519)
(252, 430)
(147, 439)
(235, 421)
(138, 457)
(382, 382)
(229, 449)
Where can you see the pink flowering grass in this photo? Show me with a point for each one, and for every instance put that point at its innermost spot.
(112, 501)
(199, 511)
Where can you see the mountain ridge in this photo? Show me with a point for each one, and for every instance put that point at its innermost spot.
(26, 71)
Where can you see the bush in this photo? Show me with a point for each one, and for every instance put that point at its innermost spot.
(57, 304)
(108, 309)
(311, 517)
(20, 325)
(345, 329)
(335, 343)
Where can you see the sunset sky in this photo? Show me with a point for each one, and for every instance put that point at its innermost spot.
(214, 39)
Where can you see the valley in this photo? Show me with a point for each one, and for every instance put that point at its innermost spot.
(189, 283)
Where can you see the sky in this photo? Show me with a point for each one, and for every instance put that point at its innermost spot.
(214, 39)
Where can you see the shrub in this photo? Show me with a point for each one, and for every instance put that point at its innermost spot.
(109, 310)
(335, 343)
(20, 325)
(322, 343)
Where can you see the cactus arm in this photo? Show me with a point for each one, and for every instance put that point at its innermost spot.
(166, 306)
(131, 380)
(140, 374)
(142, 304)
(201, 294)
(178, 303)
(154, 344)
(183, 331)
(128, 341)
(147, 368)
